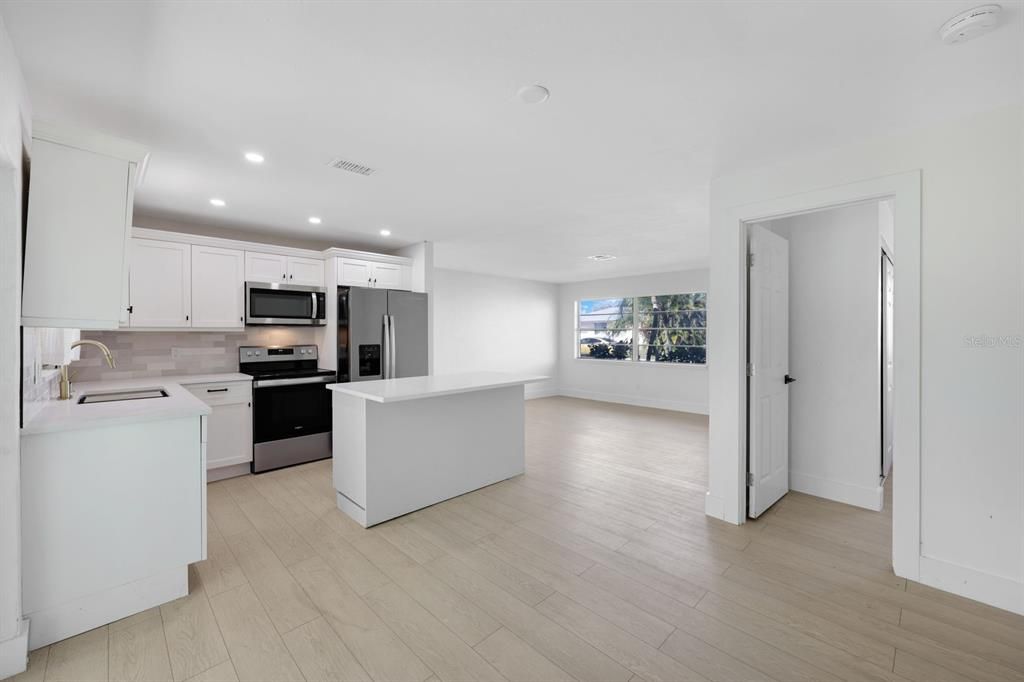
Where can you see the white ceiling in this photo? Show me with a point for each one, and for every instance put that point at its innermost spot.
(649, 102)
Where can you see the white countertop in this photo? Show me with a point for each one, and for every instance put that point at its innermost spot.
(414, 388)
(68, 415)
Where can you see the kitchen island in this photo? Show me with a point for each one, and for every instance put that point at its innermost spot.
(404, 444)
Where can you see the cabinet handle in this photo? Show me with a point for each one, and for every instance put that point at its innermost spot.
(131, 309)
(284, 276)
(291, 276)
(186, 318)
(216, 390)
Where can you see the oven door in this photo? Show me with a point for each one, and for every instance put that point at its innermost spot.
(274, 303)
(289, 408)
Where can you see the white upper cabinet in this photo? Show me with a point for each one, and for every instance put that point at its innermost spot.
(160, 284)
(218, 287)
(306, 271)
(355, 272)
(265, 267)
(81, 191)
(271, 267)
(386, 275)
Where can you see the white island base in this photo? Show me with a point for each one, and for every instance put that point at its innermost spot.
(404, 444)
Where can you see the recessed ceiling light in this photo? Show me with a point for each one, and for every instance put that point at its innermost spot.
(219, 203)
(533, 94)
(254, 157)
(602, 257)
(314, 220)
(385, 233)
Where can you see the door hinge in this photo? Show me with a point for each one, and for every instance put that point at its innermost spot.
(750, 260)
(750, 369)
(750, 479)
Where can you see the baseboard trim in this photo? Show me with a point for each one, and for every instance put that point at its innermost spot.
(230, 471)
(715, 507)
(994, 590)
(674, 405)
(858, 496)
(531, 392)
(14, 652)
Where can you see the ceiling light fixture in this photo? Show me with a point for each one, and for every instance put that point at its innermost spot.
(385, 233)
(254, 157)
(533, 94)
(314, 220)
(970, 24)
(219, 203)
(602, 257)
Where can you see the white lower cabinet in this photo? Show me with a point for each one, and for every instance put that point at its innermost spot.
(227, 431)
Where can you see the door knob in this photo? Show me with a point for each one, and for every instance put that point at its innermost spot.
(789, 379)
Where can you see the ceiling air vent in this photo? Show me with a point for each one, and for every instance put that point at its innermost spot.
(351, 167)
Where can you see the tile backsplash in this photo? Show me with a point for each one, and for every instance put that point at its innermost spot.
(153, 354)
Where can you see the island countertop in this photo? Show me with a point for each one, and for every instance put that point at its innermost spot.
(414, 388)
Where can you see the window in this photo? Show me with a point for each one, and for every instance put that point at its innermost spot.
(662, 328)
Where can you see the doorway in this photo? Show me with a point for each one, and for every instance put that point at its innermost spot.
(817, 357)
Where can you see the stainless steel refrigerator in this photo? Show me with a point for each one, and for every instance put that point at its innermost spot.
(382, 334)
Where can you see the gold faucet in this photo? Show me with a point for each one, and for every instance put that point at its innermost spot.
(65, 380)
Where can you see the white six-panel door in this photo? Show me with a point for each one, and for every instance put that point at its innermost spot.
(769, 364)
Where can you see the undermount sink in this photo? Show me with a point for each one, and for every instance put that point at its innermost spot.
(114, 396)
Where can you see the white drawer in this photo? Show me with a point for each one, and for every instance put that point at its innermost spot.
(223, 393)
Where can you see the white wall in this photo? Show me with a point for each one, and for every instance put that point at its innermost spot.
(674, 387)
(15, 126)
(834, 306)
(972, 395)
(496, 324)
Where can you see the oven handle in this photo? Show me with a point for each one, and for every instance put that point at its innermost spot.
(264, 383)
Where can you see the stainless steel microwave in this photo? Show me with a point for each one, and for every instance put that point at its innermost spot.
(289, 304)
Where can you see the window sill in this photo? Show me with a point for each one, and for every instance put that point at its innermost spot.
(631, 363)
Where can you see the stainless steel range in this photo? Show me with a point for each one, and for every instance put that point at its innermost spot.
(291, 417)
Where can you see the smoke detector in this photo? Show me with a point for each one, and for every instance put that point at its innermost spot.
(602, 257)
(351, 166)
(970, 24)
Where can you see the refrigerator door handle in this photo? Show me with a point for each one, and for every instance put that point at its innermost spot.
(386, 369)
(393, 346)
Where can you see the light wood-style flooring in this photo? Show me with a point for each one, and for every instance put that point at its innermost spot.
(598, 564)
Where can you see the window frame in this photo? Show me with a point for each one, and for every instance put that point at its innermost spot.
(635, 329)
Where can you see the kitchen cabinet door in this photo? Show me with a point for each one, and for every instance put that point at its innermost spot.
(265, 267)
(354, 273)
(306, 271)
(218, 283)
(386, 275)
(159, 283)
(229, 436)
(76, 240)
